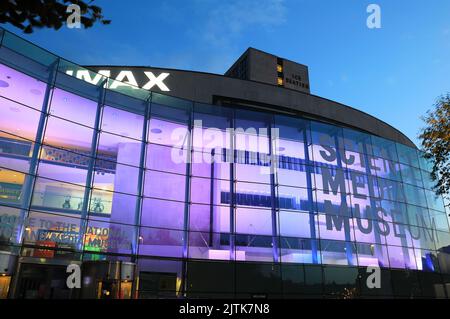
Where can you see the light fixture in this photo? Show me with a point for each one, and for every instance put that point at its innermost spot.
(3, 84)
(156, 131)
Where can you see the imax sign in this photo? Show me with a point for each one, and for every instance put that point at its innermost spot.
(124, 78)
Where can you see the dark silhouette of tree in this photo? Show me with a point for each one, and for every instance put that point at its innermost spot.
(435, 138)
(28, 15)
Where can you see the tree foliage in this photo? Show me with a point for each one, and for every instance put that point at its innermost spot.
(435, 138)
(28, 15)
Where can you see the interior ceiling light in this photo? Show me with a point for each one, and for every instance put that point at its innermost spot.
(156, 131)
(3, 84)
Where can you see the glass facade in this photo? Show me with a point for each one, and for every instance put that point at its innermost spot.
(195, 200)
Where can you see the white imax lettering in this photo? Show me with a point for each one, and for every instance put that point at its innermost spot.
(85, 75)
(156, 80)
(124, 78)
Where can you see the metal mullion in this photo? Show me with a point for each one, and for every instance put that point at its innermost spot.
(348, 242)
(187, 186)
(232, 187)
(274, 206)
(32, 171)
(372, 202)
(3, 35)
(141, 176)
(309, 187)
(92, 160)
(187, 196)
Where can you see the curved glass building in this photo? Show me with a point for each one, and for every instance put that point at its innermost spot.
(163, 183)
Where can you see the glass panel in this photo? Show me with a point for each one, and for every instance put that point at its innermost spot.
(162, 214)
(123, 178)
(54, 231)
(387, 169)
(331, 179)
(252, 147)
(405, 283)
(166, 159)
(252, 279)
(424, 163)
(427, 260)
(298, 250)
(290, 198)
(407, 155)
(254, 221)
(10, 223)
(370, 231)
(11, 186)
(120, 207)
(207, 245)
(160, 242)
(342, 283)
(109, 237)
(202, 278)
(373, 255)
(434, 201)
(28, 49)
(18, 121)
(161, 185)
(415, 195)
(16, 86)
(73, 108)
(327, 143)
(206, 191)
(333, 204)
(338, 252)
(115, 148)
(253, 195)
(391, 190)
(57, 196)
(159, 278)
(302, 280)
(208, 165)
(294, 224)
(411, 175)
(335, 227)
(401, 257)
(63, 134)
(168, 133)
(384, 148)
(63, 166)
(15, 152)
(122, 123)
(254, 248)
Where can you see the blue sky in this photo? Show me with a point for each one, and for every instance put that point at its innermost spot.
(394, 73)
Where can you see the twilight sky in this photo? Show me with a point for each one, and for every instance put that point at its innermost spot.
(394, 73)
